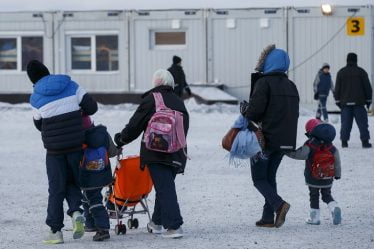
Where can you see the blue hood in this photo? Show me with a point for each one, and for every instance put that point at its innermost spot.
(52, 85)
(276, 61)
(325, 132)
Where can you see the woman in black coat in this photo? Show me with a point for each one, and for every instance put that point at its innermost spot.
(163, 167)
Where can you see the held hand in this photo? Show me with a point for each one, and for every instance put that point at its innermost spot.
(188, 91)
(368, 104)
(118, 141)
(244, 107)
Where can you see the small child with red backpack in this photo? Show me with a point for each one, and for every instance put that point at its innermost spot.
(322, 165)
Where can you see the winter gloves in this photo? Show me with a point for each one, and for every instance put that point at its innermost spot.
(244, 105)
(188, 91)
(118, 140)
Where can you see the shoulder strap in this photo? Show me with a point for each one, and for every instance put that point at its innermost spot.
(159, 101)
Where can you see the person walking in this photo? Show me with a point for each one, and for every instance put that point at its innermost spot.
(274, 104)
(353, 92)
(58, 104)
(322, 86)
(163, 166)
(180, 83)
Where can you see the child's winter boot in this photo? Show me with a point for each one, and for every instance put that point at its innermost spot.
(314, 217)
(78, 225)
(54, 238)
(336, 212)
(101, 235)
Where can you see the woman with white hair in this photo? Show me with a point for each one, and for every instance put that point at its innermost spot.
(162, 166)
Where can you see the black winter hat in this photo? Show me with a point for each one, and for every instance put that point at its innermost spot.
(176, 59)
(352, 57)
(36, 70)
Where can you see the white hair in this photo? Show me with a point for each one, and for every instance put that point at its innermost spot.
(162, 77)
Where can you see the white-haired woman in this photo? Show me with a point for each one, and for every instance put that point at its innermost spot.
(163, 167)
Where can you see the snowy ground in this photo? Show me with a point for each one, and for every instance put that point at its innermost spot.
(218, 202)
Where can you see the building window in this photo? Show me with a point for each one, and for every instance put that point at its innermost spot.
(8, 53)
(81, 53)
(32, 49)
(94, 53)
(168, 39)
(16, 52)
(107, 53)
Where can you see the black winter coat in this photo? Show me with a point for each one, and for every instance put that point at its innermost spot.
(139, 121)
(352, 86)
(275, 104)
(179, 79)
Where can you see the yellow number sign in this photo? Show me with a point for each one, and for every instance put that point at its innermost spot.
(355, 26)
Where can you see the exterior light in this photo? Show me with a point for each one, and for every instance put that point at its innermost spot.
(326, 9)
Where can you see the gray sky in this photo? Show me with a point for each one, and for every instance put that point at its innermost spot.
(36, 5)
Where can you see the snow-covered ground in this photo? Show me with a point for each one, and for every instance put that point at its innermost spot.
(219, 203)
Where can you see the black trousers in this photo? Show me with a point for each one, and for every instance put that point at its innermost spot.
(63, 183)
(94, 210)
(166, 210)
(314, 196)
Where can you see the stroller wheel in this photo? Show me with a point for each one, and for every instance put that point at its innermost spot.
(120, 229)
(117, 230)
(130, 224)
(135, 223)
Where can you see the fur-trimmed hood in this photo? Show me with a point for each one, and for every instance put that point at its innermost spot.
(273, 60)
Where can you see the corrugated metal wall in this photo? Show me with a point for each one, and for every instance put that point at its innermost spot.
(14, 25)
(145, 59)
(233, 50)
(326, 38)
(93, 23)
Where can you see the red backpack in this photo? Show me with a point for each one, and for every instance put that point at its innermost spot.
(322, 164)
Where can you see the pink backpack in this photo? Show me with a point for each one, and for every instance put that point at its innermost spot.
(165, 130)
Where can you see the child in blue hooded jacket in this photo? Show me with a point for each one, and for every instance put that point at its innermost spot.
(322, 86)
(320, 136)
(95, 173)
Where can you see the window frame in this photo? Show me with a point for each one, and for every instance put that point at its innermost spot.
(18, 36)
(92, 36)
(154, 46)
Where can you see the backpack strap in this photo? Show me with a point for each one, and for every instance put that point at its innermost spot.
(159, 101)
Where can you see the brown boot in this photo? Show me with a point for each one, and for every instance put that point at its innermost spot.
(262, 223)
(281, 214)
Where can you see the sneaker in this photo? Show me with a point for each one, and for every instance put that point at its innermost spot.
(314, 217)
(101, 235)
(173, 234)
(281, 214)
(78, 225)
(344, 144)
(153, 228)
(54, 238)
(262, 223)
(366, 144)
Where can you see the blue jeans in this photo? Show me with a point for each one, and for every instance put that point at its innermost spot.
(264, 172)
(322, 108)
(358, 113)
(63, 183)
(166, 211)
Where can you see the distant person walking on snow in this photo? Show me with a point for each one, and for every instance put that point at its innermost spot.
(322, 86)
(322, 165)
(274, 104)
(58, 103)
(180, 82)
(352, 92)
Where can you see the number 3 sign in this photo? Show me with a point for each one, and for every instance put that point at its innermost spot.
(355, 26)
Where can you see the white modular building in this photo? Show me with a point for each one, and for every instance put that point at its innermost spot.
(115, 53)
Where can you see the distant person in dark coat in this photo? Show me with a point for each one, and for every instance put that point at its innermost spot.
(352, 92)
(58, 104)
(163, 167)
(180, 82)
(274, 104)
(322, 86)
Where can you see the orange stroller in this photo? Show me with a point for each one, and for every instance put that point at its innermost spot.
(130, 187)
